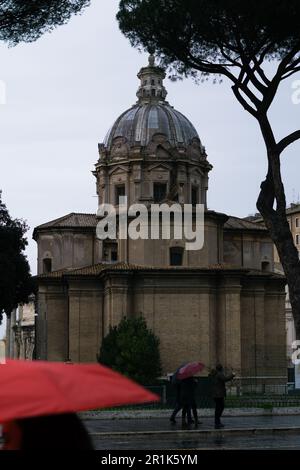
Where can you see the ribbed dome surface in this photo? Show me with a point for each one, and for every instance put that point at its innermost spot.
(139, 123)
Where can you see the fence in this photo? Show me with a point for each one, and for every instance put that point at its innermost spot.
(246, 392)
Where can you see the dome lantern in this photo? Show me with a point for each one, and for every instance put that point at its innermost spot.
(151, 88)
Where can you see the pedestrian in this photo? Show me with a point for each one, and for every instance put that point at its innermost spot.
(219, 392)
(52, 432)
(187, 399)
(178, 406)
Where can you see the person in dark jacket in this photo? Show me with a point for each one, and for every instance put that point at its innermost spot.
(219, 392)
(178, 405)
(187, 399)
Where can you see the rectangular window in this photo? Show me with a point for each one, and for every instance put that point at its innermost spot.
(176, 256)
(297, 222)
(159, 191)
(297, 239)
(47, 265)
(114, 256)
(120, 191)
(194, 195)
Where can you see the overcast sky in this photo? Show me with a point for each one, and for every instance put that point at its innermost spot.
(64, 92)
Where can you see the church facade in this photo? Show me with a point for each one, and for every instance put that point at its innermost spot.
(222, 303)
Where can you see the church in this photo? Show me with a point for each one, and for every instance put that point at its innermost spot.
(221, 303)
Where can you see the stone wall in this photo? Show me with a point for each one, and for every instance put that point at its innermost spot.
(52, 321)
(213, 316)
(249, 250)
(68, 248)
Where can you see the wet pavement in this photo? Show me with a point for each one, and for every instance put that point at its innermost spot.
(251, 432)
(245, 442)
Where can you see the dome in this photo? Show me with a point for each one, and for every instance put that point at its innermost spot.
(151, 115)
(141, 122)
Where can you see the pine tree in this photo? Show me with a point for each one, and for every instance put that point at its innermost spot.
(133, 350)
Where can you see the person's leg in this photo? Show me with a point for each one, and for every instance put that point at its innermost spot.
(195, 414)
(218, 411)
(189, 413)
(184, 413)
(176, 410)
(222, 406)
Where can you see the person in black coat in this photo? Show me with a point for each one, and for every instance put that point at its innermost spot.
(187, 399)
(178, 405)
(219, 392)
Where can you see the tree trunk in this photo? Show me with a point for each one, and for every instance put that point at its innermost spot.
(272, 191)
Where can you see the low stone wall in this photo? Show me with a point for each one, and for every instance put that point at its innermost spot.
(152, 414)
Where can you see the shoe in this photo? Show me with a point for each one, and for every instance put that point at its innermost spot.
(219, 426)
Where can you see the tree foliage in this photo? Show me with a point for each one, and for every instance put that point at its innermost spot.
(26, 21)
(15, 280)
(133, 350)
(212, 36)
(234, 39)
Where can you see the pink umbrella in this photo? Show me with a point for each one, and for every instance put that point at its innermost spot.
(189, 369)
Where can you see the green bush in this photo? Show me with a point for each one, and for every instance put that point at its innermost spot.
(133, 350)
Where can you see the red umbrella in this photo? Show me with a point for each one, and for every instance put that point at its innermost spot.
(37, 388)
(189, 369)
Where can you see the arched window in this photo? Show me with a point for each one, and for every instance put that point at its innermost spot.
(47, 265)
(152, 82)
(176, 256)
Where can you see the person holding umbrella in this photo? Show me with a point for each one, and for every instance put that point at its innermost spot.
(178, 405)
(185, 376)
(39, 401)
(187, 398)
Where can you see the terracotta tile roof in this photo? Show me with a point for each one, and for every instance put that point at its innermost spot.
(93, 270)
(77, 220)
(54, 274)
(235, 223)
(96, 269)
(71, 220)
